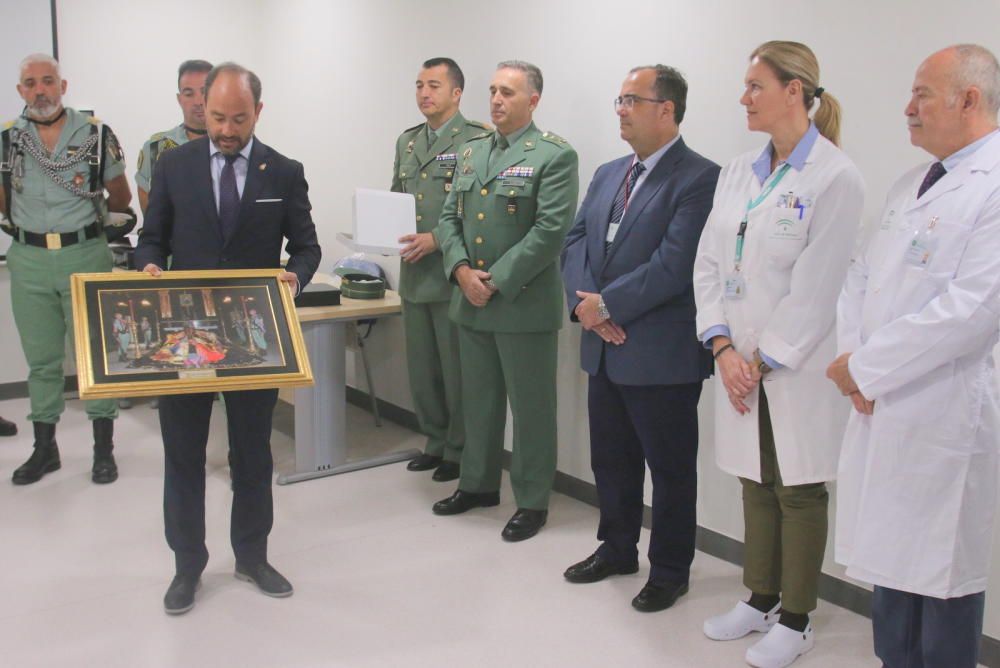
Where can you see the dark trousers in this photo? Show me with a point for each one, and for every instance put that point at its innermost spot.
(184, 423)
(914, 631)
(632, 426)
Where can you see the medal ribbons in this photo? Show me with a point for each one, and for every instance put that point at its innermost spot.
(447, 156)
(524, 172)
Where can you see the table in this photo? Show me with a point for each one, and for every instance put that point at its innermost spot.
(320, 411)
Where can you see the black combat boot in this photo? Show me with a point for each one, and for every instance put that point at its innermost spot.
(7, 428)
(105, 469)
(43, 460)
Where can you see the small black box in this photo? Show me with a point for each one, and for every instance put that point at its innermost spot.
(318, 294)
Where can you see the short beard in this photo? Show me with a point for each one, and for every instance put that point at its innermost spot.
(44, 111)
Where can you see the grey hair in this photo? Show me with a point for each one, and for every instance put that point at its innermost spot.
(39, 58)
(977, 66)
(531, 72)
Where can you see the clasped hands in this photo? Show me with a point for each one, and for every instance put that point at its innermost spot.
(739, 377)
(472, 282)
(840, 374)
(587, 312)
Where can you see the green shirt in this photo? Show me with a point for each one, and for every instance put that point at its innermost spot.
(153, 149)
(43, 206)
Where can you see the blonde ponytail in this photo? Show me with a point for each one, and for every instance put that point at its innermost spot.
(794, 60)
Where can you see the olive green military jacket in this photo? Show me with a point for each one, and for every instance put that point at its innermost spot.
(426, 172)
(510, 220)
(151, 151)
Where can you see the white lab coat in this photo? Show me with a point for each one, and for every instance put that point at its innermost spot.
(918, 479)
(793, 269)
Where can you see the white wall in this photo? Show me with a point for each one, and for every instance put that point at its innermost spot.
(338, 82)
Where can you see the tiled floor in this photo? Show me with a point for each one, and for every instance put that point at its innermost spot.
(380, 580)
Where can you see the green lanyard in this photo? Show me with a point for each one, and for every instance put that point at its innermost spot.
(751, 205)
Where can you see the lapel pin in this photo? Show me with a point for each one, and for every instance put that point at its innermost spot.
(467, 152)
(263, 166)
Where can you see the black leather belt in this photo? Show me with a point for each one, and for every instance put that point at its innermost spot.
(57, 240)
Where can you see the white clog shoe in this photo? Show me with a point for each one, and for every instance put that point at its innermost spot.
(740, 621)
(780, 647)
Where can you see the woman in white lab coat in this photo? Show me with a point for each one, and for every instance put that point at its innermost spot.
(770, 265)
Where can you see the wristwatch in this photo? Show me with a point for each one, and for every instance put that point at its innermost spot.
(762, 366)
(602, 309)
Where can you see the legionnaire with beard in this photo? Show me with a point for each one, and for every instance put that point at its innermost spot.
(57, 166)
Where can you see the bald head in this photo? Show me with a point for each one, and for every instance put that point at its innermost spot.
(956, 94)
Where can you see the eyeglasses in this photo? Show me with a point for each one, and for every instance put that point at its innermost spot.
(628, 101)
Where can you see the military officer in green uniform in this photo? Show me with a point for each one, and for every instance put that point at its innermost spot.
(191, 98)
(426, 158)
(501, 233)
(56, 167)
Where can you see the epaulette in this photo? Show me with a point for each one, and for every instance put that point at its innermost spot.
(94, 120)
(553, 138)
(415, 127)
(9, 124)
(482, 135)
(477, 124)
(156, 137)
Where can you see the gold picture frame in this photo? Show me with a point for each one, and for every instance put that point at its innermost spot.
(185, 332)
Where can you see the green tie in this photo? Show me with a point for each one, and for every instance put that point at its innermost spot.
(500, 146)
(431, 137)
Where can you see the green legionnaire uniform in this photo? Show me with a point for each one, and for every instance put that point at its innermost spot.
(151, 151)
(507, 214)
(426, 169)
(58, 230)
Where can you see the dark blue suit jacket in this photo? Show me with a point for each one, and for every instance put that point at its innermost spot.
(645, 277)
(182, 221)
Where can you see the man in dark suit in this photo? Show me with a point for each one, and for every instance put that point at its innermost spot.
(225, 202)
(627, 266)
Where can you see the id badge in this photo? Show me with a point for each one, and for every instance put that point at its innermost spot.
(736, 287)
(921, 248)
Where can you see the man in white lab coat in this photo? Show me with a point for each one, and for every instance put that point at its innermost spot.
(917, 322)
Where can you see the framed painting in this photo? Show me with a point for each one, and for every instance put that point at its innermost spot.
(184, 332)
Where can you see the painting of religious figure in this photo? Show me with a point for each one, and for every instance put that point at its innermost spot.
(185, 331)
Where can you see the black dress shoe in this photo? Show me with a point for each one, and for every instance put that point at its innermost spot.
(656, 596)
(460, 501)
(268, 580)
(594, 569)
(180, 594)
(423, 462)
(7, 428)
(524, 524)
(446, 471)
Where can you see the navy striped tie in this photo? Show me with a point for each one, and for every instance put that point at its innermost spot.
(624, 193)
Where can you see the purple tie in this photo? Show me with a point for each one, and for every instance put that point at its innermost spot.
(229, 198)
(934, 174)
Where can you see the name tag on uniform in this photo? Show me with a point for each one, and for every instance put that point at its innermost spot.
(922, 246)
(736, 287)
